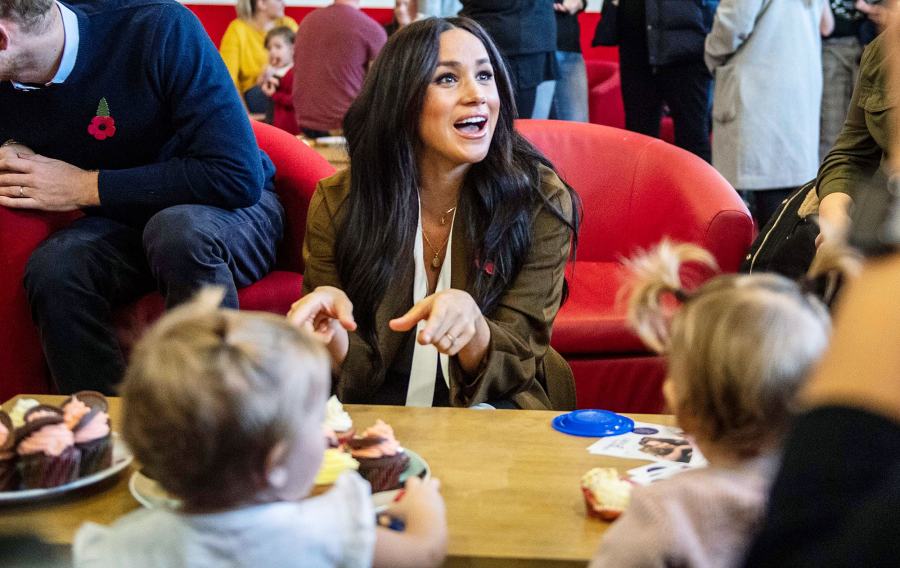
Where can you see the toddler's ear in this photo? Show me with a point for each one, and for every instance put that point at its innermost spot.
(276, 472)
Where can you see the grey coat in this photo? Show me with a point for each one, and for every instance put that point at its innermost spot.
(766, 59)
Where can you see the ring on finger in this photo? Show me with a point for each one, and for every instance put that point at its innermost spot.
(21, 191)
(451, 338)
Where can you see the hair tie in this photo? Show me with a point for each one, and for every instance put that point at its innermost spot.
(681, 295)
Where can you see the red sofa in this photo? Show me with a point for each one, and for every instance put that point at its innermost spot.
(22, 367)
(635, 191)
(605, 104)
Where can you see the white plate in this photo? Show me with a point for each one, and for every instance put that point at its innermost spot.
(121, 459)
(149, 494)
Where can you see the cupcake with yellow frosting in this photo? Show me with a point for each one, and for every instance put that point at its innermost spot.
(606, 495)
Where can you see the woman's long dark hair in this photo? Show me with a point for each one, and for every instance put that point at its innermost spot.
(498, 197)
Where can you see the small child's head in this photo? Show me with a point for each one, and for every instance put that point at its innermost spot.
(224, 408)
(280, 45)
(739, 347)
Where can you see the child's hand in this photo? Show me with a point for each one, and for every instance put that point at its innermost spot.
(270, 86)
(421, 500)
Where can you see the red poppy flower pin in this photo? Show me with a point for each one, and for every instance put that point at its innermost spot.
(102, 126)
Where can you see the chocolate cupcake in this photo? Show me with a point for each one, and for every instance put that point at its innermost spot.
(47, 453)
(9, 473)
(85, 414)
(381, 459)
(42, 411)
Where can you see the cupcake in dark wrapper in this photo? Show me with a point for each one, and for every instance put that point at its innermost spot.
(47, 454)
(9, 472)
(85, 414)
(42, 411)
(381, 458)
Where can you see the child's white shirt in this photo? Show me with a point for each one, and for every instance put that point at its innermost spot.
(281, 71)
(336, 529)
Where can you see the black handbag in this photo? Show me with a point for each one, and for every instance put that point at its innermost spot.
(787, 243)
(607, 32)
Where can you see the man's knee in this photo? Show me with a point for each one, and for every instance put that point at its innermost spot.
(54, 266)
(177, 234)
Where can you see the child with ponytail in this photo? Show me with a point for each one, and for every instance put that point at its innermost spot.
(739, 347)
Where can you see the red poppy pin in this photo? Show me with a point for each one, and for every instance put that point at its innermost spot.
(102, 126)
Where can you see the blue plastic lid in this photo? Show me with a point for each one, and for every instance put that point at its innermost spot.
(593, 423)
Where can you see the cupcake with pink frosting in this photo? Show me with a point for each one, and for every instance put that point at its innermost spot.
(47, 453)
(85, 414)
(42, 411)
(381, 458)
(9, 473)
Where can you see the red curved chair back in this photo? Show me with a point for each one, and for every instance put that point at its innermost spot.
(636, 190)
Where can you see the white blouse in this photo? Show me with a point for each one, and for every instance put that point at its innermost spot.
(423, 371)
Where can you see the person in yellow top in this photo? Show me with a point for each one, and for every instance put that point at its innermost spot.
(243, 47)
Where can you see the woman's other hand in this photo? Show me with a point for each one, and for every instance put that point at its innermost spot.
(834, 216)
(454, 325)
(875, 12)
(327, 313)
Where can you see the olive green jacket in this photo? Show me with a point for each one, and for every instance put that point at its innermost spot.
(519, 365)
(860, 150)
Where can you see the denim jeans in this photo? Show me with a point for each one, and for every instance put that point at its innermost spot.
(570, 101)
(77, 277)
(543, 100)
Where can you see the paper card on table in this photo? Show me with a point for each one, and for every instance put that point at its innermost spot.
(651, 442)
(658, 471)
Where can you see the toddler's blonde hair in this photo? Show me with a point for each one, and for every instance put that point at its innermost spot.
(210, 392)
(739, 347)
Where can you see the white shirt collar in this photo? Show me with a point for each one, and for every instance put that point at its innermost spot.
(70, 49)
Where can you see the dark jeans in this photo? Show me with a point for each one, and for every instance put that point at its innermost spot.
(76, 278)
(686, 91)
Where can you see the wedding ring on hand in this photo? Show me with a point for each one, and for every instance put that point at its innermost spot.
(21, 191)
(451, 338)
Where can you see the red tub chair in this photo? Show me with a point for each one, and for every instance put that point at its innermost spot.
(635, 191)
(22, 366)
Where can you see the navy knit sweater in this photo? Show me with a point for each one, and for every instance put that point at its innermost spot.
(181, 133)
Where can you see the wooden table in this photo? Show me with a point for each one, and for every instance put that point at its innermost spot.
(510, 481)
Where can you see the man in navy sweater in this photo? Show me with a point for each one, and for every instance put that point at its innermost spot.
(135, 121)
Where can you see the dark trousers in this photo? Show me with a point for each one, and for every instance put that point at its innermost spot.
(76, 278)
(763, 203)
(684, 88)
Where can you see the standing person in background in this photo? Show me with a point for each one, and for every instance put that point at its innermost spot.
(767, 61)
(280, 85)
(570, 100)
(661, 62)
(243, 48)
(332, 52)
(841, 50)
(440, 8)
(525, 33)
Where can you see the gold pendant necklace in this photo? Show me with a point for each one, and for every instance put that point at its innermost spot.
(436, 260)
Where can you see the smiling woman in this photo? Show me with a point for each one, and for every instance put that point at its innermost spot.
(435, 263)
